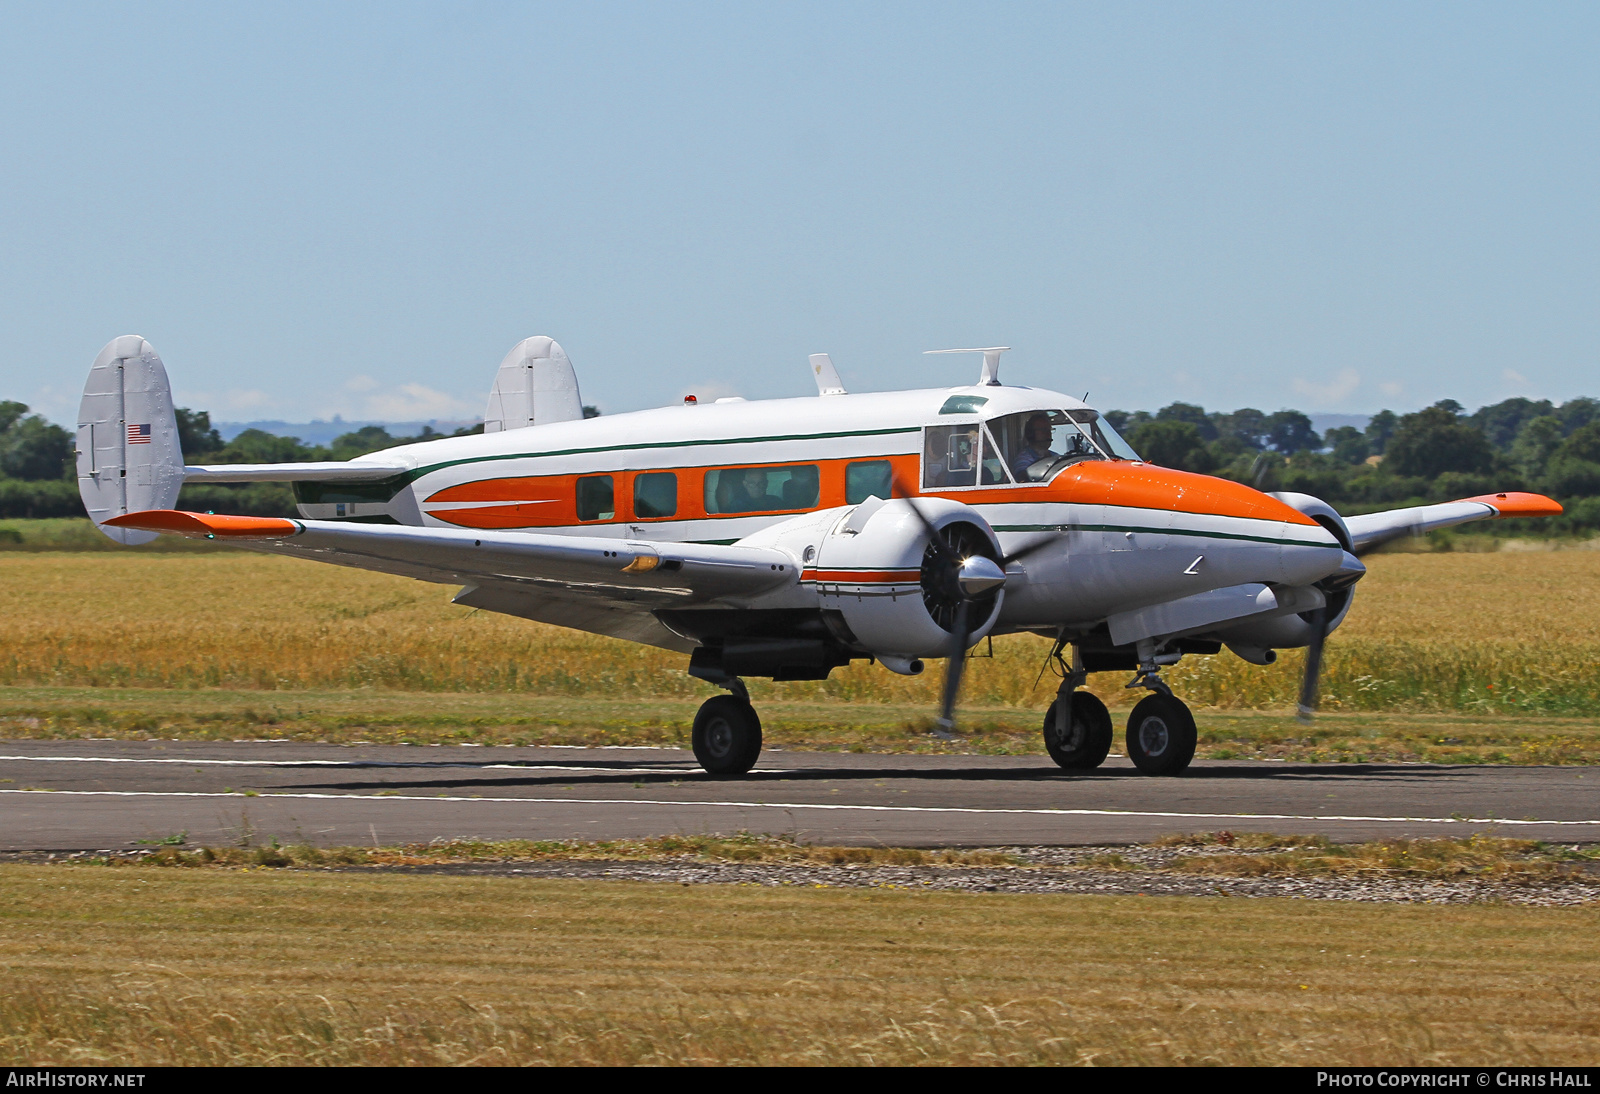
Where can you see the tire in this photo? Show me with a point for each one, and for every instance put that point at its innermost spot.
(727, 735)
(1161, 735)
(1088, 737)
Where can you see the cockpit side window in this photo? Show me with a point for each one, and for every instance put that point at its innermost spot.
(1038, 443)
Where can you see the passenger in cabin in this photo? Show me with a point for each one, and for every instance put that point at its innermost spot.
(951, 456)
(1036, 447)
(751, 495)
(800, 492)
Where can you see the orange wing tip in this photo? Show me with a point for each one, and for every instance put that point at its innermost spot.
(206, 525)
(1514, 503)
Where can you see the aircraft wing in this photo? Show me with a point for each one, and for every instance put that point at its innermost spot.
(607, 586)
(1374, 529)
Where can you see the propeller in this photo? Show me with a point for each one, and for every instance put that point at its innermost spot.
(965, 579)
(1336, 592)
(1308, 683)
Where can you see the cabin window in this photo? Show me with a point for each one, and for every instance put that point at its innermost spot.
(597, 498)
(866, 479)
(762, 489)
(655, 494)
(950, 455)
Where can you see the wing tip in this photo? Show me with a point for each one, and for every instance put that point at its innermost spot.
(206, 525)
(1516, 503)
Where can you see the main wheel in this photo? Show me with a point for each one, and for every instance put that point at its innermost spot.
(727, 735)
(1088, 736)
(1161, 735)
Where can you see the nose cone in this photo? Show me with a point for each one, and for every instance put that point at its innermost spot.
(978, 576)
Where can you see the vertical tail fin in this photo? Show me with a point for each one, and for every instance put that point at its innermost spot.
(129, 459)
(535, 386)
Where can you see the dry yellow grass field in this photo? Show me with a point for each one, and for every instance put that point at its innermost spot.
(1455, 643)
(1436, 631)
(147, 966)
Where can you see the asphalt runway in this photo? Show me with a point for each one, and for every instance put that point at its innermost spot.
(102, 795)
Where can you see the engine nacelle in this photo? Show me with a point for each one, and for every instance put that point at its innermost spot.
(877, 584)
(1288, 632)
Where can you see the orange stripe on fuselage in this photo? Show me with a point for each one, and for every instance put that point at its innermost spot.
(550, 500)
(1137, 485)
(863, 577)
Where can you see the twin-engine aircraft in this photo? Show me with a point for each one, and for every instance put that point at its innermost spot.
(784, 538)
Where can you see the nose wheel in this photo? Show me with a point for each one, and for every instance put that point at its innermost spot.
(1161, 735)
(727, 735)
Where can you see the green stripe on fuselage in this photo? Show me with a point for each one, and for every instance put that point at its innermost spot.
(1156, 532)
(414, 475)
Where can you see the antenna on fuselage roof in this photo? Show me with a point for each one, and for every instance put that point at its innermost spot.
(990, 376)
(828, 382)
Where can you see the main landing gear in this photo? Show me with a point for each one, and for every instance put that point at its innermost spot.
(727, 734)
(1161, 733)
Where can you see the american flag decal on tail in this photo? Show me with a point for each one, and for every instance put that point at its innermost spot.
(139, 434)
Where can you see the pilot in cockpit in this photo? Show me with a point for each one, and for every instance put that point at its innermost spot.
(1036, 446)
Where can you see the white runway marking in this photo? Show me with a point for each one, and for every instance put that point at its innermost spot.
(615, 802)
(368, 763)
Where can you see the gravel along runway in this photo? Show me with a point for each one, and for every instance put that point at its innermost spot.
(104, 795)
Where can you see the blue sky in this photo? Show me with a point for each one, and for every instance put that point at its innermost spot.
(358, 209)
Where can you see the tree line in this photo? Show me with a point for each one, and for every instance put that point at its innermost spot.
(38, 471)
(1437, 454)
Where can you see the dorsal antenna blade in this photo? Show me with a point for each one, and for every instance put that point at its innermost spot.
(990, 377)
(828, 382)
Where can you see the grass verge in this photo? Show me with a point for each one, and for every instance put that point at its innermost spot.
(425, 718)
(144, 966)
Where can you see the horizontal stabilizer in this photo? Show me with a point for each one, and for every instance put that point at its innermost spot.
(354, 471)
(1372, 530)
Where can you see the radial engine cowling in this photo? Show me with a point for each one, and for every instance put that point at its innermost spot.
(876, 569)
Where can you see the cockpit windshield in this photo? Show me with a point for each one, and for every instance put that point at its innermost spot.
(1037, 444)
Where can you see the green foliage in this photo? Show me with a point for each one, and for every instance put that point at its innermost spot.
(1379, 429)
(1172, 443)
(41, 498)
(10, 412)
(1348, 443)
(259, 446)
(196, 438)
(1289, 431)
(32, 447)
(1434, 441)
